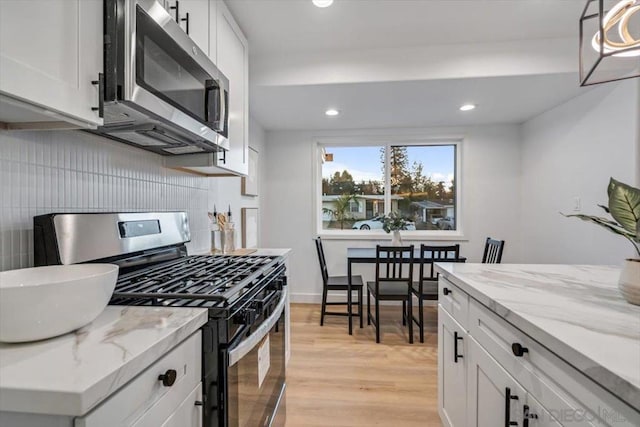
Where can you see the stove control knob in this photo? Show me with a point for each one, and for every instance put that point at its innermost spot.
(245, 317)
(258, 306)
(168, 378)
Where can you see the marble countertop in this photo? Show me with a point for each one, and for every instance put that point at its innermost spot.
(576, 311)
(71, 374)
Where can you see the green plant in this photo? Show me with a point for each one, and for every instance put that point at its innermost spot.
(624, 207)
(393, 222)
(341, 211)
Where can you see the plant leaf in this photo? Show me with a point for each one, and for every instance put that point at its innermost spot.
(624, 205)
(604, 222)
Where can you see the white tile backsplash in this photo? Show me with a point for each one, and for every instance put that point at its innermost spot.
(74, 171)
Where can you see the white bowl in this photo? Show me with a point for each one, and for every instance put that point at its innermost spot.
(44, 302)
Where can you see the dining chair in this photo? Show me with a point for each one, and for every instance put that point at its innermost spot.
(426, 289)
(337, 283)
(492, 251)
(394, 274)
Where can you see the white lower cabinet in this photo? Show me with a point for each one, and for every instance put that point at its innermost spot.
(452, 375)
(502, 377)
(148, 400)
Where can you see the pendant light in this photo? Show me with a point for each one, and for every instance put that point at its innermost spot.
(609, 41)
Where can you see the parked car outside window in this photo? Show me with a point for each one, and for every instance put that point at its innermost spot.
(447, 223)
(375, 223)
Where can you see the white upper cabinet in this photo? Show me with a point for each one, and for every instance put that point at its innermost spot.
(228, 49)
(232, 59)
(50, 52)
(193, 17)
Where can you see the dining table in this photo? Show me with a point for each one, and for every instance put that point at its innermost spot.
(368, 256)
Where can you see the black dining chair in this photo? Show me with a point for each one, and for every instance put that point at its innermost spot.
(394, 274)
(337, 283)
(492, 251)
(426, 289)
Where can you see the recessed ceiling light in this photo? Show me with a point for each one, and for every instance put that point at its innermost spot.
(467, 107)
(322, 3)
(332, 112)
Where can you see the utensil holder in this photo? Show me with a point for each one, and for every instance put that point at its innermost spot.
(216, 241)
(227, 240)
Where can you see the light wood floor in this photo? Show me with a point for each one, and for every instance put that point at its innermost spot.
(334, 379)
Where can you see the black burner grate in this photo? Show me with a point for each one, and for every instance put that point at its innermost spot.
(201, 278)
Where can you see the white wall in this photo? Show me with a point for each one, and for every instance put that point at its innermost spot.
(571, 151)
(491, 199)
(226, 191)
(63, 171)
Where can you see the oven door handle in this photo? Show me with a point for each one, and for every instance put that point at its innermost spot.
(246, 345)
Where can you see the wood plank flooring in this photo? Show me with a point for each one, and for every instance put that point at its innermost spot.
(334, 379)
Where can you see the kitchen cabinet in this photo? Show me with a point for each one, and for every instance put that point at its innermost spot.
(134, 366)
(193, 17)
(229, 50)
(503, 377)
(452, 378)
(50, 53)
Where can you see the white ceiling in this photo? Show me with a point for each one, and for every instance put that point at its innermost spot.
(298, 26)
(412, 104)
(280, 31)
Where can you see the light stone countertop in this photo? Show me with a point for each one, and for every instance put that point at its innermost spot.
(71, 374)
(576, 311)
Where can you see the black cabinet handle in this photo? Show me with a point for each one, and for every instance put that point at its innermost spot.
(447, 291)
(518, 350)
(199, 403)
(527, 415)
(168, 378)
(508, 397)
(186, 20)
(456, 356)
(177, 9)
(100, 83)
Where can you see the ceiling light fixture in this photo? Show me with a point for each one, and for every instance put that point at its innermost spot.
(322, 3)
(332, 112)
(467, 107)
(606, 54)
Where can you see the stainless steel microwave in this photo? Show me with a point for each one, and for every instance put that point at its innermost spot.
(161, 92)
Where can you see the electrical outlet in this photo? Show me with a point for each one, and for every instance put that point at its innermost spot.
(577, 204)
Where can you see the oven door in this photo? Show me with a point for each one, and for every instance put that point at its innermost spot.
(169, 76)
(256, 373)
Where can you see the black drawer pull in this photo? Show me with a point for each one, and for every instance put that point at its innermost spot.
(447, 291)
(456, 356)
(527, 416)
(518, 349)
(508, 397)
(199, 403)
(168, 378)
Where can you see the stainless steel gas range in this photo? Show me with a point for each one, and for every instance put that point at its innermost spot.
(243, 348)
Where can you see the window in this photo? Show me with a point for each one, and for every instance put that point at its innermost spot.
(359, 184)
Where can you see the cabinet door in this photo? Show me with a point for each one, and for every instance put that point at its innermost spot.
(197, 14)
(232, 60)
(452, 370)
(535, 415)
(187, 414)
(494, 398)
(50, 52)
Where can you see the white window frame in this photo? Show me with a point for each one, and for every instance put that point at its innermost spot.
(434, 235)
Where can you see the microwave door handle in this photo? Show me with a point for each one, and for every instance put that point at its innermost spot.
(209, 86)
(222, 111)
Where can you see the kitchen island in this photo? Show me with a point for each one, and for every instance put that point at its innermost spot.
(84, 371)
(564, 334)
